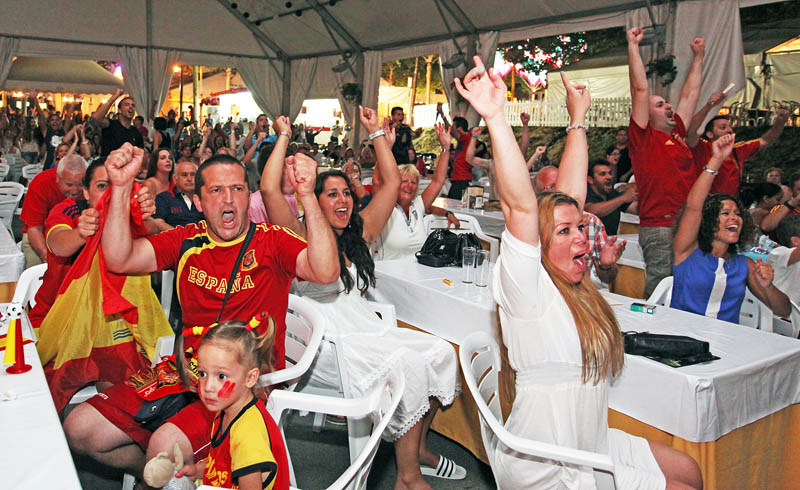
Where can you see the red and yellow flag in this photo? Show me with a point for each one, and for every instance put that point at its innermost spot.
(102, 326)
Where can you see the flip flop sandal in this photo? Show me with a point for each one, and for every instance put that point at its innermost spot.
(446, 469)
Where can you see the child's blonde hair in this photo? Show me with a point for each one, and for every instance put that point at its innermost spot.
(253, 350)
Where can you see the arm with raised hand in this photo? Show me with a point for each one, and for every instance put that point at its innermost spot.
(247, 159)
(479, 163)
(232, 137)
(100, 114)
(525, 137)
(206, 137)
(537, 155)
(440, 173)
(690, 91)
(699, 116)
(486, 92)
(123, 254)
(772, 134)
(278, 210)
(640, 88)
(575, 159)
(686, 237)
(384, 197)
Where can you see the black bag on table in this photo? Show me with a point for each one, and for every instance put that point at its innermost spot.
(443, 248)
(672, 350)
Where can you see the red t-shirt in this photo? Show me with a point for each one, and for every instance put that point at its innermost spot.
(202, 268)
(730, 173)
(252, 443)
(461, 169)
(664, 169)
(43, 194)
(64, 215)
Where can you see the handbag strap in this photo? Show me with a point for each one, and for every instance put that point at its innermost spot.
(247, 239)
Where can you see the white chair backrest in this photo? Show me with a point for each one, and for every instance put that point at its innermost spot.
(10, 195)
(305, 327)
(30, 171)
(750, 313)
(469, 224)
(4, 169)
(167, 285)
(27, 285)
(378, 406)
(662, 294)
(479, 356)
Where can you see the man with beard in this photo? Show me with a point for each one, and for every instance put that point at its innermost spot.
(117, 132)
(604, 201)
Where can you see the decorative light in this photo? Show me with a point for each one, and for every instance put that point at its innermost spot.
(176, 69)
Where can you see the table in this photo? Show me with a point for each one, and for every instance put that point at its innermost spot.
(492, 222)
(628, 224)
(12, 263)
(630, 277)
(34, 452)
(738, 417)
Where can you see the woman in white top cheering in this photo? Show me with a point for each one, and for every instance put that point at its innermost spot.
(562, 337)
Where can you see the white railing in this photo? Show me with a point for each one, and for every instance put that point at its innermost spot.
(610, 112)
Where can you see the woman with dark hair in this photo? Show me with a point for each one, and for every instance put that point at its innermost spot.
(710, 276)
(161, 138)
(763, 196)
(369, 349)
(159, 172)
(562, 336)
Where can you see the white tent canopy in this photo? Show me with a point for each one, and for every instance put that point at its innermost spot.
(60, 75)
(285, 57)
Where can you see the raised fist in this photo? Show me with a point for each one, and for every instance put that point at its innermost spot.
(698, 46)
(635, 35)
(123, 164)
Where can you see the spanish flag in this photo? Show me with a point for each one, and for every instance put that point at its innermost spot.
(102, 326)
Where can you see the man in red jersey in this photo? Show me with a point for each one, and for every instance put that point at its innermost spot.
(202, 256)
(662, 161)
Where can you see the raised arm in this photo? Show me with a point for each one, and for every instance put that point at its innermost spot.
(781, 116)
(575, 159)
(100, 114)
(537, 155)
(278, 211)
(232, 137)
(384, 197)
(440, 173)
(525, 137)
(686, 237)
(690, 91)
(479, 163)
(771, 221)
(206, 137)
(486, 92)
(700, 116)
(640, 89)
(122, 253)
(247, 159)
(34, 100)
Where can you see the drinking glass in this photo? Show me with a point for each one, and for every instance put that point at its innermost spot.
(468, 255)
(482, 268)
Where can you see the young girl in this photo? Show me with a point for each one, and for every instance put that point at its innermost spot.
(247, 449)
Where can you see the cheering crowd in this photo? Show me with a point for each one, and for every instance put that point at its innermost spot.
(242, 218)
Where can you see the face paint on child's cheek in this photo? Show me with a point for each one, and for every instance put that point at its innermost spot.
(226, 389)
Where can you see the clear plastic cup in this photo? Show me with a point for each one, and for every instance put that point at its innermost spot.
(482, 268)
(468, 255)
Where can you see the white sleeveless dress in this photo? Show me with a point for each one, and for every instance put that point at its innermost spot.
(370, 350)
(553, 404)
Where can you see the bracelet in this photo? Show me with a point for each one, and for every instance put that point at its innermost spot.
(711, 171)
(577, 126)
(285, 133)
(84, 142)
(444, 150)
(376, 134)
(789, 206)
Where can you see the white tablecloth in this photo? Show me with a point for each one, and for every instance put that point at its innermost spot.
(12, 261)
(629, 218)
(422, 299)
(33, 451)
(492, 222)
(757, 374)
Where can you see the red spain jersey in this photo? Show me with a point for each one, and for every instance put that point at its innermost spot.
(64, 215)
(251, 443)
(203, 266)
(664, 169)
(730, 173)
(43, 194)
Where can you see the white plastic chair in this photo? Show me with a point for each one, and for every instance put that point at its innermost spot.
(662, 294)
(167, 284)
(377, 408)
(4, 169)
(750, 313)
(479, 356)
(28, 284)
(469, 224)
(10, 195)
(30, 171)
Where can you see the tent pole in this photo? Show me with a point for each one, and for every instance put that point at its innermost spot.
(287, 88)
(196, 93)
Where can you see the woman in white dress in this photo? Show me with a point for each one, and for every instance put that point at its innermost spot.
(562, 337)
(404, 233)
(369, 349)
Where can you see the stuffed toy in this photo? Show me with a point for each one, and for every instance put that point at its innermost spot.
(159, 472)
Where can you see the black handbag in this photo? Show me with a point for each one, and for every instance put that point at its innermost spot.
(672, 350)
(153, 414)
(439, 249)
(466, 240)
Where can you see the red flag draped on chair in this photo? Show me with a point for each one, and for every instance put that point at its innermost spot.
(102, 326)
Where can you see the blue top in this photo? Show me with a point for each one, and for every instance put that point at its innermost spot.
(710, 286)
(172, 208)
